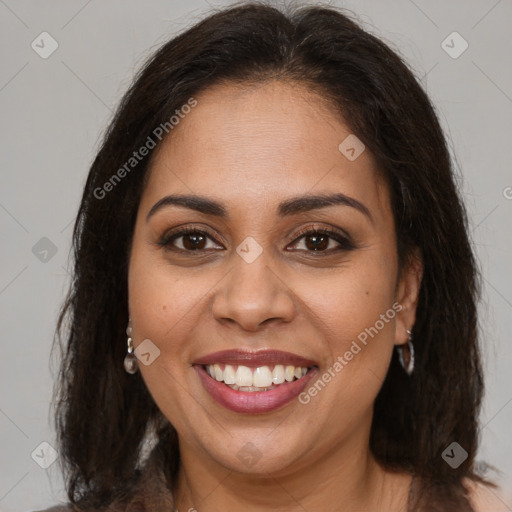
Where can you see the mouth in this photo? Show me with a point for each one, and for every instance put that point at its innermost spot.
(248, 382)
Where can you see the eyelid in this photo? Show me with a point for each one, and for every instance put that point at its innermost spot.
(344, 240)
(340, 236)
(314, 228)
(182, 230)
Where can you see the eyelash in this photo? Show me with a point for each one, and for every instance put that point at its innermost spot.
(344, 241)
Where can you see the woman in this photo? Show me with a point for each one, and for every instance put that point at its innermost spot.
(273, 284)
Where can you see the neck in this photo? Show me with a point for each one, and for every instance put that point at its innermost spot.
(345, 477)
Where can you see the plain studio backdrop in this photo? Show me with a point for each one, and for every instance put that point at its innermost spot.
(66, 64)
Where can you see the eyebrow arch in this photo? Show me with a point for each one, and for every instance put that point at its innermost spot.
(286, 208)
(313, 202)
(192, 202)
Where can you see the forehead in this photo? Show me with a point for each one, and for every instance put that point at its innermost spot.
(255, 144)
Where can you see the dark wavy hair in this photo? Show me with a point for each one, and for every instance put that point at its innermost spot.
(103, 414)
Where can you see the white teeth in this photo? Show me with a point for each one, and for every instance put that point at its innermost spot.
(243, 378)
(289, 373)
(262, 377)
(229, 375)
(278, 374)
(251, 389)
(218, 372)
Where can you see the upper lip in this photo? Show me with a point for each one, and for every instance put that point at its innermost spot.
(254, 359)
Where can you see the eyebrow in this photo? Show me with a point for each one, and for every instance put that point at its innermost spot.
(286, 208)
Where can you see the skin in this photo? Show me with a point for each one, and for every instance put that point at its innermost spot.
(249, 148)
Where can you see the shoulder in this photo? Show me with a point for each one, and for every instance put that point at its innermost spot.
(485, 498)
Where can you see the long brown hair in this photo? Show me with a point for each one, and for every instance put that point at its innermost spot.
(102, 413)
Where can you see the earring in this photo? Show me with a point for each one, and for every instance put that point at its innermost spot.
(130, 361)
(409, 366)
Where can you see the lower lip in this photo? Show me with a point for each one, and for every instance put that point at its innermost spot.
(256, 401)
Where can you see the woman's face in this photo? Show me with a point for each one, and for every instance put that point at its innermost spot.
(252, 277)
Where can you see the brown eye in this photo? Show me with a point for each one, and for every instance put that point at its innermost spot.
(189, 240)
(194, 241)
(322, 241)
(317, 242)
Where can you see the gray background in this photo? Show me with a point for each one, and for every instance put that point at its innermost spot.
(54, 111)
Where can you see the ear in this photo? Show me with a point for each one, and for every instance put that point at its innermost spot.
(408, 290)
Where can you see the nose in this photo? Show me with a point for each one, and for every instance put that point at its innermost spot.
(253, 294)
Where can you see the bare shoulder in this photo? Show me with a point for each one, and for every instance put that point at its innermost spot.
(487, 499)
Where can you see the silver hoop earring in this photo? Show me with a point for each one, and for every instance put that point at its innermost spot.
(409, 366)
(130, 361)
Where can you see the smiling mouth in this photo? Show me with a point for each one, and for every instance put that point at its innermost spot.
(255, 379)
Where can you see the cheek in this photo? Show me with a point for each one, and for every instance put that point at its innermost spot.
(356, 318)
(160, 300)
(355, 296)
(161, 303)
(355, 309)
(153, 292)
(166, 303)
